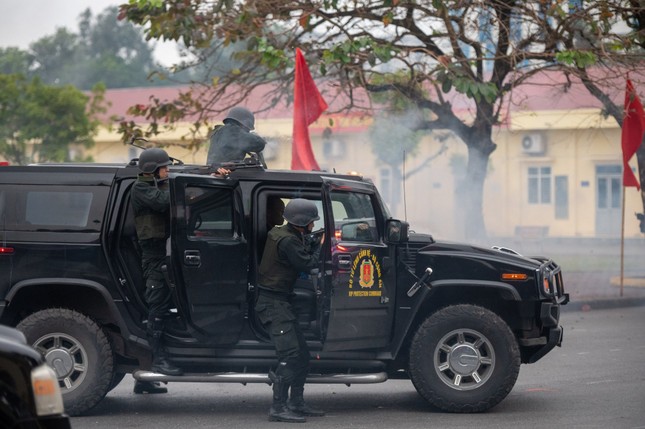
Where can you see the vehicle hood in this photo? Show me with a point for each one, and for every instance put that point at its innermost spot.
(494, 254)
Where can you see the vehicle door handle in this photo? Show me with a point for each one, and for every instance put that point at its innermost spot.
(192, 258)
(344, 261)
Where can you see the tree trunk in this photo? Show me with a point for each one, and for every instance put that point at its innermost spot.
(472, 190)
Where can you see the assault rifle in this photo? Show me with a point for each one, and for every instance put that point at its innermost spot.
(134, 161)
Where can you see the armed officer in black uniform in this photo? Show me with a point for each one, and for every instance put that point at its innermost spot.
(233, 140)
(286, 254)
(151, 204)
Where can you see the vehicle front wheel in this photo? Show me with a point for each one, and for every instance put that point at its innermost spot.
(78, 350)
(464, 358)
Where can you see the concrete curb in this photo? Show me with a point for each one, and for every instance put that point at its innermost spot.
(587, 304)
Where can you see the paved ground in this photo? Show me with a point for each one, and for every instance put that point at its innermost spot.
(592, 269)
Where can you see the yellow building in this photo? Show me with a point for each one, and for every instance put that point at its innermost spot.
(557, 170)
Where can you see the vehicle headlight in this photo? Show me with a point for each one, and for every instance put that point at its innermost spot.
(547, 282)
(46, 391)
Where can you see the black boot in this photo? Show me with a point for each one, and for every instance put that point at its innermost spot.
(279, 411)
(149, 387)
(160, 364)
(298, 405)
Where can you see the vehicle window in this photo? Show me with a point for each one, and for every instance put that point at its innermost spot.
(209, 212)
(56, 208)
(354, 218)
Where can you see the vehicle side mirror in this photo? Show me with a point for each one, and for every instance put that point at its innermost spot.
(397, 231)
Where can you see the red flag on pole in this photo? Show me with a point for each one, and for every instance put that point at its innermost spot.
(308, 105)
(632, 132)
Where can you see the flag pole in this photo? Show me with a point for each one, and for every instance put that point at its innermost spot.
(631, 138)
(622, 247)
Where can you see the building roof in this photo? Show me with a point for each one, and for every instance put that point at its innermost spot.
(543, 92)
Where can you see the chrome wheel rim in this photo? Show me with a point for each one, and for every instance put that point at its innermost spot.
(66, 356)
(464, 359)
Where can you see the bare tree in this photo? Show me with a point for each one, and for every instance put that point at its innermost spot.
(457, 60)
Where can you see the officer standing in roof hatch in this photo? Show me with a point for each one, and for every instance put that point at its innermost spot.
(150, 201)
(232, 141)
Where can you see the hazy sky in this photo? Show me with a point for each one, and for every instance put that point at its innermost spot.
(25, 21)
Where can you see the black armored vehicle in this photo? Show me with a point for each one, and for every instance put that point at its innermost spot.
(385, 303)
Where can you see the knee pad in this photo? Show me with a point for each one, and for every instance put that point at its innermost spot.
(285, 372)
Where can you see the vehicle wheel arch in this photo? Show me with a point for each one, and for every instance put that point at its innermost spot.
(495, 299)
(84, 296)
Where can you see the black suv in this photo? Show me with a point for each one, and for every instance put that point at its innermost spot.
(29, 392)
(386, 302)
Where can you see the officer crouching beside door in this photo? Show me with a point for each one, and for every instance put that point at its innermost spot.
(286, 254)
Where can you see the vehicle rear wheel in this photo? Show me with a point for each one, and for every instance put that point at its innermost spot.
(464, 358)
(78, 350)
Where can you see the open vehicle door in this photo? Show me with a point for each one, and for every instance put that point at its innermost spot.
(361, 293)
(209, 255)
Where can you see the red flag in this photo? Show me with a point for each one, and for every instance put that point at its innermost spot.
(632, 132)
(308, 105)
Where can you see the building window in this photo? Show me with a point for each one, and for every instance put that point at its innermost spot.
(561, 197)
(539, 185)
(609, 186)
(333, 148)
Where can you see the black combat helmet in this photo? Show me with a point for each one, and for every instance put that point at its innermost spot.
(300, 212)
(241, 115)
(153, 158)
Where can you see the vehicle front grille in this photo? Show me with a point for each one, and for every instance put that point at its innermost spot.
(558, 283)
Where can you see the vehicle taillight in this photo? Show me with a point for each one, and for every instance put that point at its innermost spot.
(6, 250)
(338, 234)
(46, 391)
(4, 163)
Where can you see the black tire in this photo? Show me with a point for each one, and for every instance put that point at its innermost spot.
(464, 359)
(78, 350)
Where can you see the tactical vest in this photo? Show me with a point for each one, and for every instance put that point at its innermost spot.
(150, 224)
(275, 273)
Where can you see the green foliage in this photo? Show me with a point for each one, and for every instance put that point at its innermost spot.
(465, 84)
(39, 122)
(395, 102)
(103, 50)
(581, 59)
(345, 51)
(175, 21)
(272, 57)
(14, 60)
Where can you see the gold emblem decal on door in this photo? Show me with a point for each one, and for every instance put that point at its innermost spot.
(366, 271)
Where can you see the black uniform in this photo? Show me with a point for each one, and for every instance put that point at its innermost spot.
(285, 256)
(231, 142)
(151, 205)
